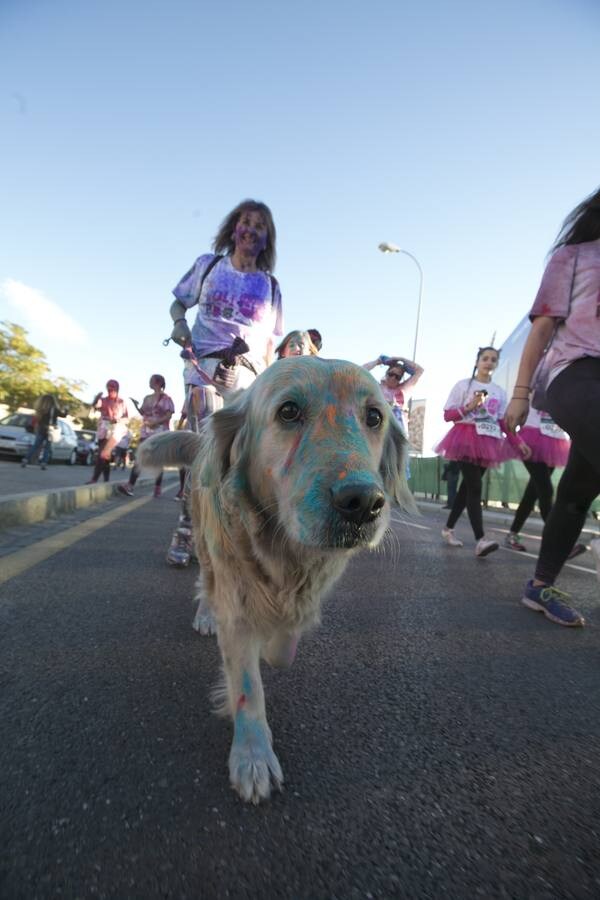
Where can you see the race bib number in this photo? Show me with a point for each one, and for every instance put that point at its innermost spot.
(551, 429)
(488, 428)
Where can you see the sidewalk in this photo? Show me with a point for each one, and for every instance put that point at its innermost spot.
(31, 495)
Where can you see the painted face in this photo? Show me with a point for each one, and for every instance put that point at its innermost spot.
(250, 235)
(487, 362)
(296, 346)
(155, 384)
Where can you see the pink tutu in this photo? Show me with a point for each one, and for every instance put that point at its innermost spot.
(463, 444)
(552, 451)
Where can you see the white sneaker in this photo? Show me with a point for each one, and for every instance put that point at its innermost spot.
(450, 537)
(595, 550)
(484, 547)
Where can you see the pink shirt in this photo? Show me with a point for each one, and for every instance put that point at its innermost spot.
(153, 408)
(570, 293)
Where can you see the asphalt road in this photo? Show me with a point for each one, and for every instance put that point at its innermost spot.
(437, 738)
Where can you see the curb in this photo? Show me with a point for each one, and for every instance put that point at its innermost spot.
(28, 509)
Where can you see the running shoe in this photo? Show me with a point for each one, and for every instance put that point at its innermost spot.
(125, 489)
(553, 603)
(577, 550)
(450, 537)
(178, 496)
(484, 547)
(179, 553)
(512, 541)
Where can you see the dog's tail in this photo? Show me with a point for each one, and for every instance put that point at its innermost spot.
(172, 448)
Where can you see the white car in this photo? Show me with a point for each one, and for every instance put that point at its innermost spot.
(17, 437)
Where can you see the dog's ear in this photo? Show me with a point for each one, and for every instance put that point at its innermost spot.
(393, 467)
(227, 432)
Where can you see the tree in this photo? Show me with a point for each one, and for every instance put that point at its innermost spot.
(25, 374)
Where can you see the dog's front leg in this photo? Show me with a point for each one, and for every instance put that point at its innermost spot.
(252, 763)
(280, 651)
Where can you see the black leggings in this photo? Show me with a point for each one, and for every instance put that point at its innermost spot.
(539, 487)
(469, 495)
(574, 403)
(102, 466)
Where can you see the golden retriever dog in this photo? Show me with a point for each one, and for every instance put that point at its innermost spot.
(290, 480)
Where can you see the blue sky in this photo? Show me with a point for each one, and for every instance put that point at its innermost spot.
(463, 132)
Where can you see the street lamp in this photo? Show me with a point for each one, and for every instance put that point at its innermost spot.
(392, 248)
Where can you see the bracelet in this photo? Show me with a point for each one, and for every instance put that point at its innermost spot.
(525, 387)
(180, 319)
(525, 399)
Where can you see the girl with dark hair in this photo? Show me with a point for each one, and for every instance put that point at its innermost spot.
(114, 419)
(156, 411)
(564, 343)
(233, 337)
(46, 413)
(476, 407)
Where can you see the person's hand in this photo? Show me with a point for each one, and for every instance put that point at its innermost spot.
(181, 333)
(475, 402)
(97, 397)
(387, 360)
(525, 451)
(516, 414)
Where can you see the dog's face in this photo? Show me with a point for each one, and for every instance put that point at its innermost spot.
(313, 448)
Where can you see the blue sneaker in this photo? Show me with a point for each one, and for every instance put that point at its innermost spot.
(553, 603)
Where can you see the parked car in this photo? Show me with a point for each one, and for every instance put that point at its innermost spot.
(17, 437)
(87, 447)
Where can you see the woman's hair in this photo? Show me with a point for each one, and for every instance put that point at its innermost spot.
(45, 404)
(224, 243)
(305, 335)
(315, 336)
(161, 381)
(582, 224)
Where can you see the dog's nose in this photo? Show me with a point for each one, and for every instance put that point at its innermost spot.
(358, 503)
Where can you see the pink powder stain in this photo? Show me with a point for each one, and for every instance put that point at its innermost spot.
(241, 701)
(341, 475)
(290, 457)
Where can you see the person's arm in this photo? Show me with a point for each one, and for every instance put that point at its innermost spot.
(181, 333)
(372, 365)
(537, 341)
(414, 369)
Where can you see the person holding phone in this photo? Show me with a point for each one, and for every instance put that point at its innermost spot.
(476, 441)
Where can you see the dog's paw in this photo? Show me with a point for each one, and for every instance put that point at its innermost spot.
(253, 765)
(204, 621)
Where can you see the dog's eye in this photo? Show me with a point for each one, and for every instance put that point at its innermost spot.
(374, 417)
(289, 412)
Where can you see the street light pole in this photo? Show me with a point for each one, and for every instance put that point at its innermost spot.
(392, 248)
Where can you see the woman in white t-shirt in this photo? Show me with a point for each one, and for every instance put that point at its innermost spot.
(476, 441)
(237, 322)
(566, 324)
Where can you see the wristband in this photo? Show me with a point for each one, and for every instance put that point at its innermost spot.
(180, 319)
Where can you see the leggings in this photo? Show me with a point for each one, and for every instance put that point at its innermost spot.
(573, 402)
(469, 495)
(102, 466)
(200, 402)
(539, 487)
